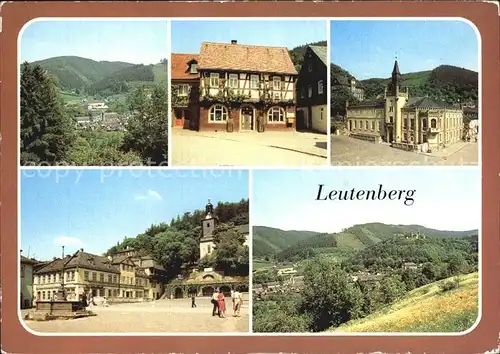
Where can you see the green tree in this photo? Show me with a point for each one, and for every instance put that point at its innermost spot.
(231, 254)
(147, 130)
(391, 289)
(329, 296)
(46, 132)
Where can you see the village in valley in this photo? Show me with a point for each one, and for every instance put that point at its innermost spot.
(94, 108)
(164, 278)
(425, 112)
(249, 100)
(373, 268)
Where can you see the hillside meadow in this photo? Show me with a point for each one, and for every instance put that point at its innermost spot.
(425, 309)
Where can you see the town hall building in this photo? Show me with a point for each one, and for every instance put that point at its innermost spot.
(409, 123)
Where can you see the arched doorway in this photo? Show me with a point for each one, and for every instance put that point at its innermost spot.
(208, 277)
(178, 293)
(207, 291)
(226, 290)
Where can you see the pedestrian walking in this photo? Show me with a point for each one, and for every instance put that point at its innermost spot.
(193, 301)
(215, 302)
(238, 301)
(222, 304)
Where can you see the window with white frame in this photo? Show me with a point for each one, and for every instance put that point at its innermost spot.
(320, 87)
(214, 80)
(276, 83)
(218, 113)
(302, 93)
(275, 115)
(254, 81)
(233, 80)
(183, 90)
(309, 91)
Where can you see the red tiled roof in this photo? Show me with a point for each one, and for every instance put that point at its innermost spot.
(227, 56)
(180, 67)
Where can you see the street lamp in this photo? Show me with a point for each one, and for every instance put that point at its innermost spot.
(63, 293)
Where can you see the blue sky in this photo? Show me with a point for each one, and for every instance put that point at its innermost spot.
(137, 42)
(94, 209)
(367, 48)
(188, 35)
(445, 198)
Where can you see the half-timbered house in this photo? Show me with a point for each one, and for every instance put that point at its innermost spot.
(243, 87)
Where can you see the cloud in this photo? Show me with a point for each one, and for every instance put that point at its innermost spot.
(150, 195)
(68, 241)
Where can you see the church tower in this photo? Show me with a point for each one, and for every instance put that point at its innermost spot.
(207, 227)
(395, 100)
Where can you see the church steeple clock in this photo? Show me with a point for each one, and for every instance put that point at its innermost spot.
(207, 226)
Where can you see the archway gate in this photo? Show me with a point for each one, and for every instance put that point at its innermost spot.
(205, 289)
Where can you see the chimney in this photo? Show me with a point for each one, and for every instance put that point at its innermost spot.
(54, 258)
(81, 249)
(234, 41)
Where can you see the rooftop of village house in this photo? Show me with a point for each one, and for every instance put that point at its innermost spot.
(321, 51)
(180, 66)
(243, 57)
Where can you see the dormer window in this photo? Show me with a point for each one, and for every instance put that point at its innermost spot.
(193, 68)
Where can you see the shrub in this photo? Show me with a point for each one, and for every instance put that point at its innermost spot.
(450, 284)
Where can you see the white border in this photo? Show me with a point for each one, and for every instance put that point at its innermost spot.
(250, 168)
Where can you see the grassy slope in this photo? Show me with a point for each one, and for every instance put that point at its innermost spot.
(425, 309)
(268, 240)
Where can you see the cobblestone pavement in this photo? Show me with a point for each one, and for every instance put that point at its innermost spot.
(159, 316)
(347, 151)
(248, 148)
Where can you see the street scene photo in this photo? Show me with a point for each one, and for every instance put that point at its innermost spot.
(366, 250)
(404, 93)
(94, 93)
(249, 93)
(107, 251)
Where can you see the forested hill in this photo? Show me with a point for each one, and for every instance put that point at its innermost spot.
(297, 53)
(352, 239)
(104, 77)
(226, 212)
(448, 83)
(268, 241)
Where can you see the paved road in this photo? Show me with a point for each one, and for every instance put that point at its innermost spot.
(159, 316)
(347, 151)
(191, 148)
